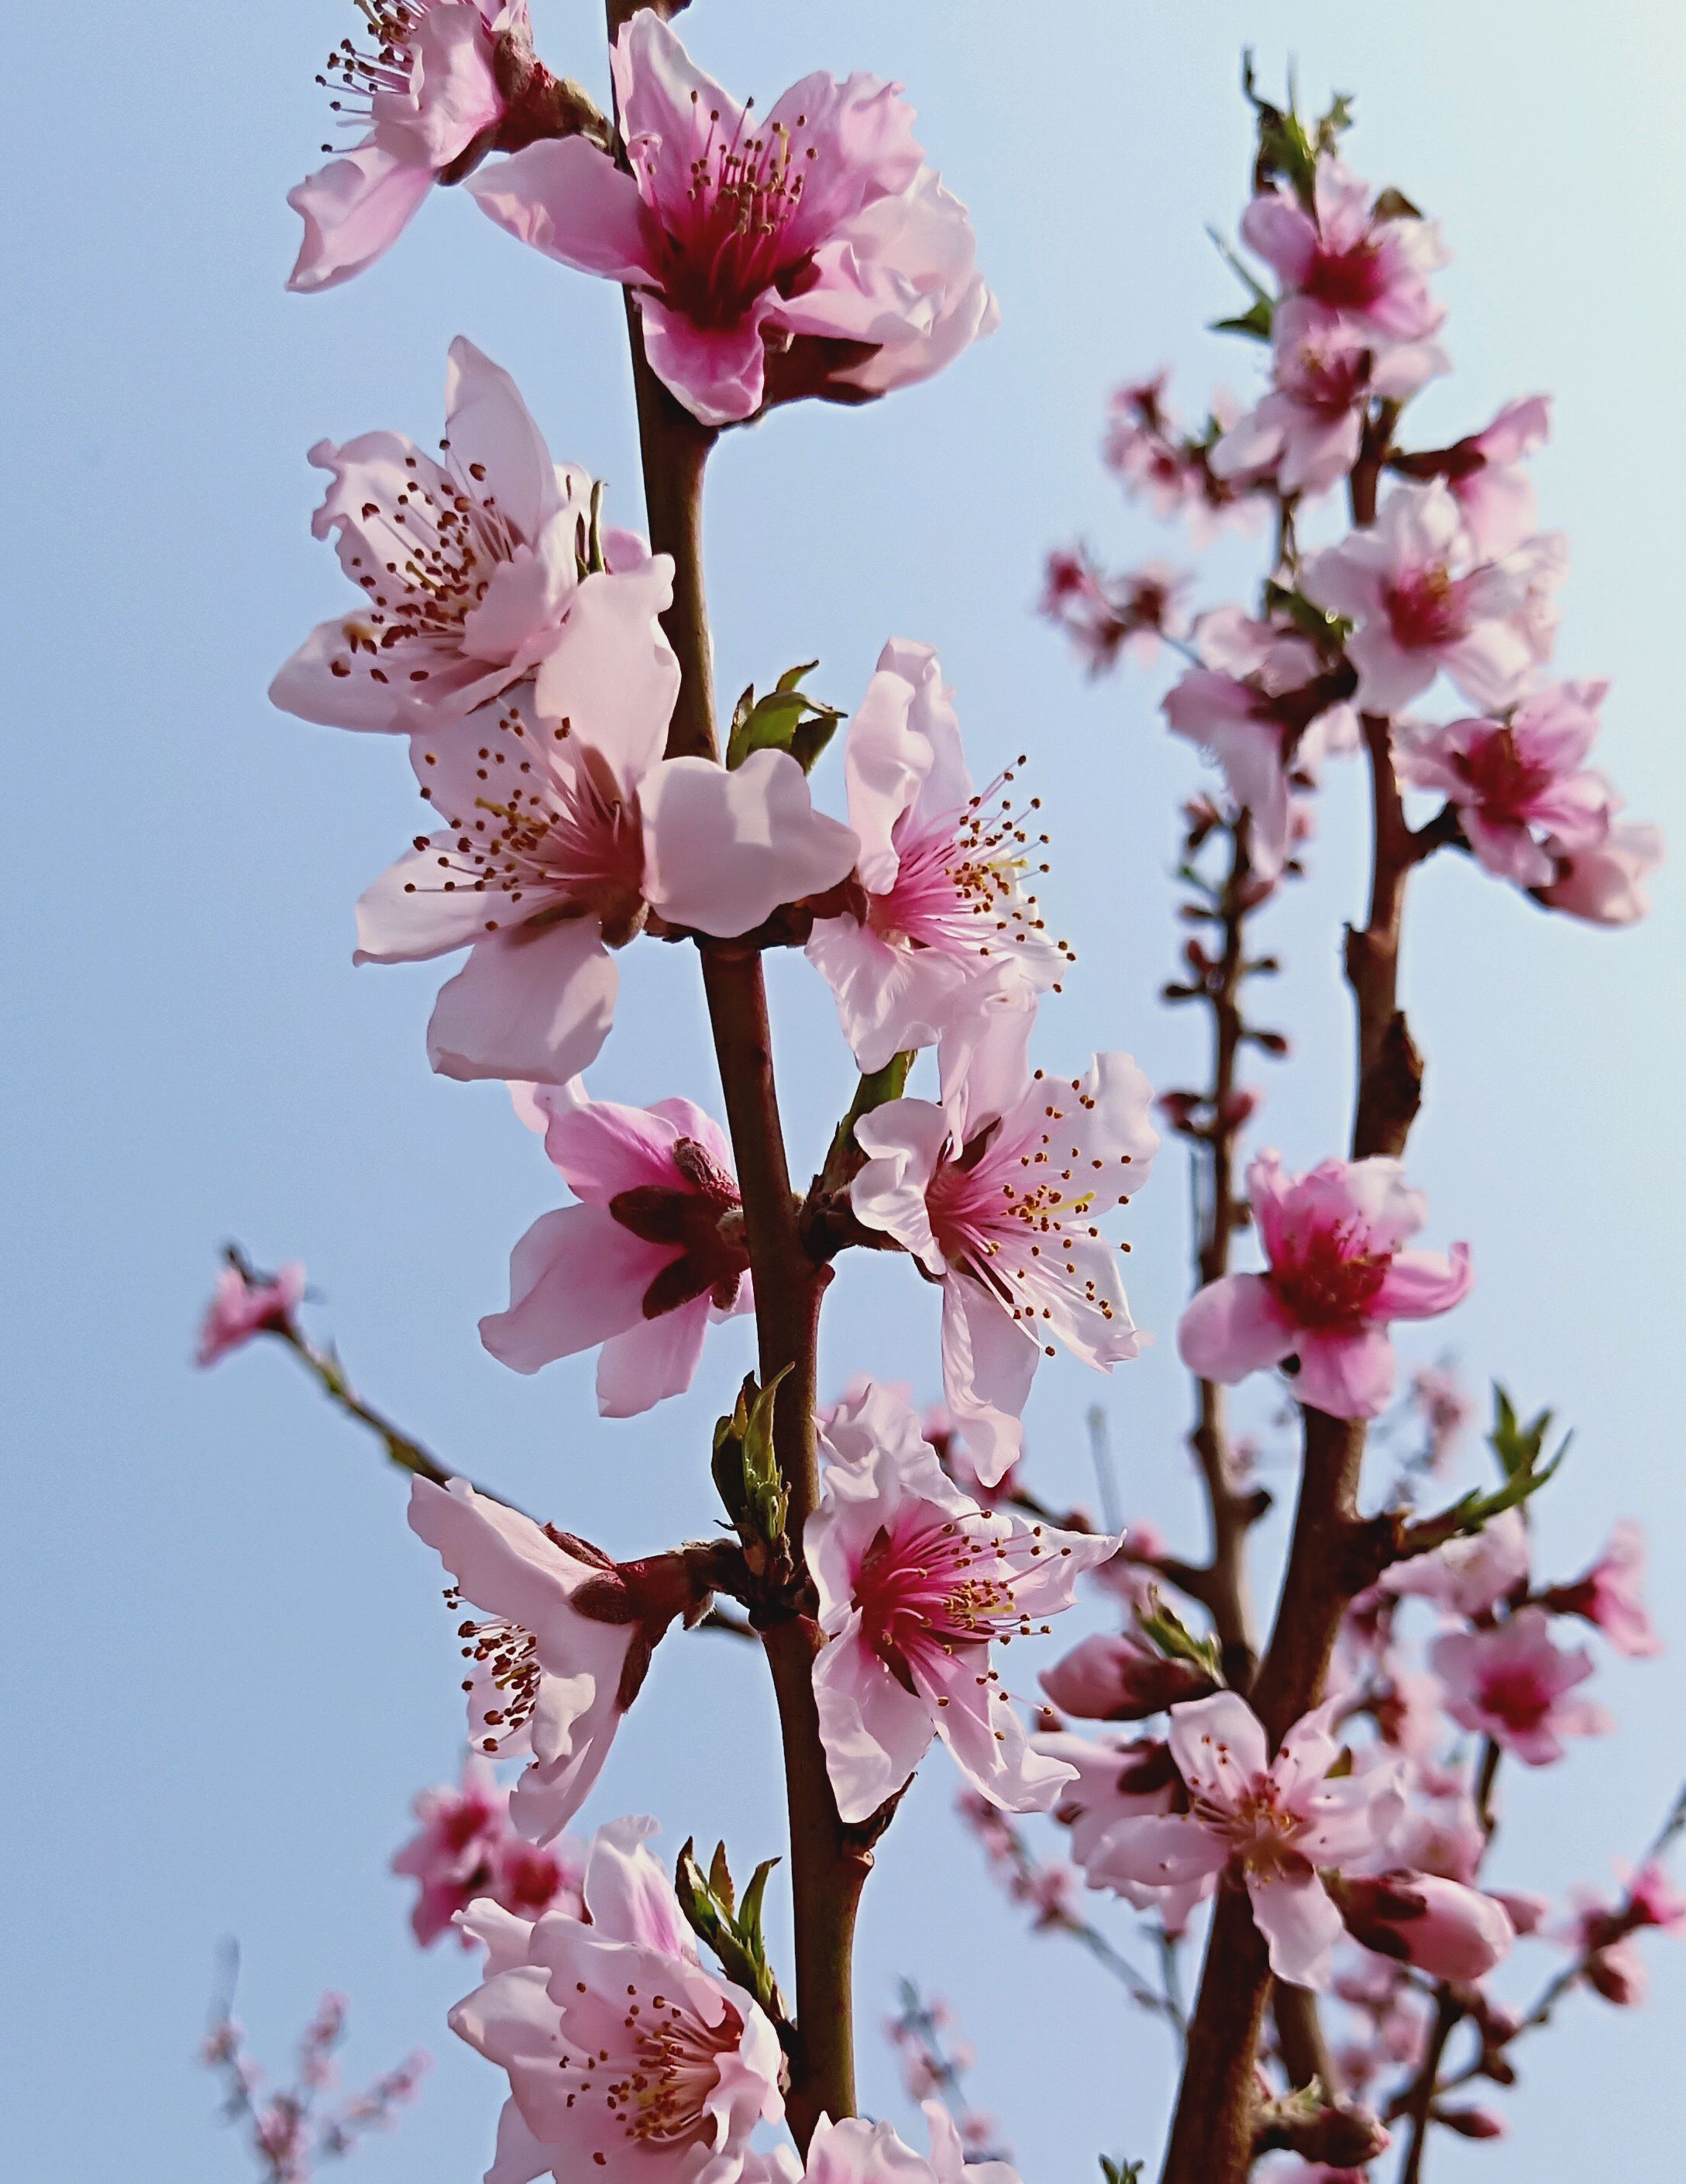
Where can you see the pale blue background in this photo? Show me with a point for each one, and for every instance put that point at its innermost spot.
(228, 1664)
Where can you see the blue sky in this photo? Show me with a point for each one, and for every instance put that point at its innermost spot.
(228, 1666)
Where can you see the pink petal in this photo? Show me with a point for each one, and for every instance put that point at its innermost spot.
(716, 372)
(1420, 1284)
(527, 1005)
(875, 1731)
(656, 1358)
(570, 200)
(489, 425)
(353, 209)
(575, 1278)
(612, 674)
(890, 1000)
(406, 917)
(1159, 1851)
(988, 1364)
(1346, 1376)
(904, 1141)
(1233, 1327)
(1297, 1918)
(724, 849)
(1219, 1743)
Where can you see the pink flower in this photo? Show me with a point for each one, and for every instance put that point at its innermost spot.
(1272, 1822)
(548, 1680)
(565, 828)
(1115, 1780)
(428, 95)
(1603, 1934)
(1106, 616)
(242, 1306)
(624, 2057)
(1339, 1273)
(739, 236)
(1468, 1577)
(916, 1583)
(652, 1253)
(469, 567)
(1512, 778)
(941, 874)
(1151, 457)
(855, 2152)
(1325, 372)
(1510, 1684)
(1255, 706)
(466, 1848)
(997, 1193)
(1450, 1931)
(1118, 1676)
(1424, 601)
(1602, 885)
(1484, 471)
(1608, 1595)
(1342, 254)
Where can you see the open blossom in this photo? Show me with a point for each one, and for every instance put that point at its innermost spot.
(941, 874)
(997, 1192)
(1512, 1684)
(624, 2057)
(1608, 1595)
(1273, 1822)
(470, 568)
(1424, 601)
(1484, 471)
(916, 1583)
(653, 1252)
(243, 1305)
(1515, 779)
(1603, 885)
(1343, 252)
(1325, 372)
(1153, 458)
(466, 1848)
(1258, 704)
(855, 2152)
(566, 827)
(1468, 1577)
(738, 236)
(1119, 1780)
(1450, 1931)
(546, 1680)
(428, 97)
(1340, 1270)
(1108, 616)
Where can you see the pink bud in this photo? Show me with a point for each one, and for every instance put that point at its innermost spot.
(1120, 1678)
(1444, 1929)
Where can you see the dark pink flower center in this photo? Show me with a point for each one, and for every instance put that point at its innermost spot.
(956, 888)
(729, 243)
(935, 1583)
(1351, 280)
(544, 842)
(1328, 1281)
(1505, 782)
(1426, 610)
(656, 2068)
(1329, 381)
(1515, 1695)
(529, 1878)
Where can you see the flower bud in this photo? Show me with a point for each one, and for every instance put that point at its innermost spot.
(1448, 1931)
(1109, 1677)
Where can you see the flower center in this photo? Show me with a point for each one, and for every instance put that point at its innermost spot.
(359, 77)
(1006, 1210)
(957, 885)
(942, 1583)
(1505, 784)
(561, 839)
(729, 243)
(1329, 1281)
(503, 1686)
(1350, 280)
(657, 2087)
(1425, 608)
(1516, 1696)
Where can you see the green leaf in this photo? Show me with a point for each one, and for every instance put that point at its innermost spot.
(1394, 204)
(1255, 324)
(785, 720)
(1121, 2172)
(1519, 1449)
(719, 1877)
(1167, 1631)
(734, 1935)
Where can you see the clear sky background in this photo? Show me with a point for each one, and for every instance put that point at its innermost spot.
(227, 1664)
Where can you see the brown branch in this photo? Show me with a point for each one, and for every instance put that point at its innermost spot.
(829, 1862)
(1333, 1552)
